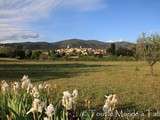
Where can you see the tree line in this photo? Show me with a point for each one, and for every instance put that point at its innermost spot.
(18, 53)
(147, 48)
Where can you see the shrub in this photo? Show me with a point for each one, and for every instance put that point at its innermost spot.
(36, 55)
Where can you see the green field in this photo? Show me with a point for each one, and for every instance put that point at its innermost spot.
(131, 81)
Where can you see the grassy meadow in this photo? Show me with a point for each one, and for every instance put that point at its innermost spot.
(131, 81)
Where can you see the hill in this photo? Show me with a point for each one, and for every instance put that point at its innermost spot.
(73, 43)
(76, 43)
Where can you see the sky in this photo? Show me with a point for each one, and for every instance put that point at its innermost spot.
(55, 20)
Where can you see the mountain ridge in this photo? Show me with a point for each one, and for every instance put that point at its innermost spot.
(73, 43)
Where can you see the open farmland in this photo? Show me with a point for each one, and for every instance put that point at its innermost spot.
(131, 81)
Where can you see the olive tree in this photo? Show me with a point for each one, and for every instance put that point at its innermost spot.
(150, 48)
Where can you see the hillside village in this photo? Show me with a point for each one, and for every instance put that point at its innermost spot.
(65, 49)
(80, 51)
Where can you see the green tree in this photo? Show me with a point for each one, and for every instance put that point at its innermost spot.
(123, 51)
(36, 55)
(112, 49)
(28, 53)
(20, 54)
(150, 49)
(7, 52)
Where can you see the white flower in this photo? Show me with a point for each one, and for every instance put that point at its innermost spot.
(25, 82)
(40, 87)
(114, 101)
(4, 86)
(35, 92)
(110, 103)
(34, 89)
(69, 103)
(109, 98)
(49, 110)
(46, 118)
(69, 100)
(15, 86)
(41, 107)
(25, 77)
(29, 87)
(37, 106)
(75, 93)
(66, 94)
(47, 87)
(74, 96)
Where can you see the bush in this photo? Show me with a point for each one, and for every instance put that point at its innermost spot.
(36, 55)
(7, 52)
(122, 51)
(28, 53)
(20, 54)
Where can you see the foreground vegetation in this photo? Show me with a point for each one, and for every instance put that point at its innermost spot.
(23, 100)
(136, 88)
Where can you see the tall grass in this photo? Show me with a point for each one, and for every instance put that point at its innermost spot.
(131, 81)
